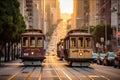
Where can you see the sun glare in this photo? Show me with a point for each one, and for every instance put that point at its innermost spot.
(66, 6)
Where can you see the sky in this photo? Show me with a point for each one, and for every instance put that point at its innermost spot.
(66, 6)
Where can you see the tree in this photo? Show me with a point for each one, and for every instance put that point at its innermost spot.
(99, 31)
(11, 23)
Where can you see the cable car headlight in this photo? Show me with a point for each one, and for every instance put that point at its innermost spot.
(32, 53)
(80, 54)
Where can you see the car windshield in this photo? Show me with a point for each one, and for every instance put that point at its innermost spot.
(95, 55)
(102, 55)
(111, 54)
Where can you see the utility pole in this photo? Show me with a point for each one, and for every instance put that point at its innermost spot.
(106, 42)
(44, 18)
(105, 34)
(118, 15)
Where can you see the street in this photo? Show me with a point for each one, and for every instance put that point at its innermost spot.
(55, 69)
(46, 33)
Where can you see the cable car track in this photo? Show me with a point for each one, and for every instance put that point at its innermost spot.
(29, 73)
(15, 74)
(58, 72)
(78, 78)
(92, 76)
(66, 68)
(40, 74)
(49, 58)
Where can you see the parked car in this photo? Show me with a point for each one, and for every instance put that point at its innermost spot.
(95, 56)
(109, 58)
(117, 59)
(100, 58)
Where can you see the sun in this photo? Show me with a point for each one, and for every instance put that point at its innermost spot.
(66, 6)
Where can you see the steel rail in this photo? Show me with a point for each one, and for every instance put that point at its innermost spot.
(40, 74)
(89, 76)
(98, 76)
(70, 73)
(15, 74)
(62, 72)
(29, 74)
(49, 58)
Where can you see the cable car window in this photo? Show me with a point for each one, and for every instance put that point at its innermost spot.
(73, 43)
(80, 42)
(67, 44)
(25, 41)
(39, 42)
(32, 41)
(87, 42)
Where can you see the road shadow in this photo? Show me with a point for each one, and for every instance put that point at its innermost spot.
(78, 66)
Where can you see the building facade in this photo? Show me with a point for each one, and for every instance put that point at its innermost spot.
(52, 16)
(115, 22)
(104, 12)
(32, 12)
(93, 11)
(81, 13)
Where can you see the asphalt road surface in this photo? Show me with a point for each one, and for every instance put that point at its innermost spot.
(55, 69)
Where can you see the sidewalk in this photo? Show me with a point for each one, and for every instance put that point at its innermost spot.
(11, 63)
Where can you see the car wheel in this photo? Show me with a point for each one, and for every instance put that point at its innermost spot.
(98, 61)
(70, 63)
(116, 63)
(105, 62)
(119, 64)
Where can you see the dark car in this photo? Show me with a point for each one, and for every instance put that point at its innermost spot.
(100, 58)
(95, 56)
(109, 58)
(117, 59)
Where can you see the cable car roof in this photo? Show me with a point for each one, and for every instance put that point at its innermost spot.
(77, 31)
(32, 32)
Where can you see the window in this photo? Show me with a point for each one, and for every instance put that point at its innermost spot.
(39, 42)
(80, 42)
(87, 42)
(73, 43)
(67, 44)
(25, 41)
(32, 41)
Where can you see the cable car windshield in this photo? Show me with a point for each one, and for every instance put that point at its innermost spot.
(73, 42)
(88, 42)
(25, 41)
(80, 42)
(32, 41)
(39, 42)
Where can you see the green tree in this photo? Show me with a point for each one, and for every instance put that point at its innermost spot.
(99, 31)
(11, 23)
